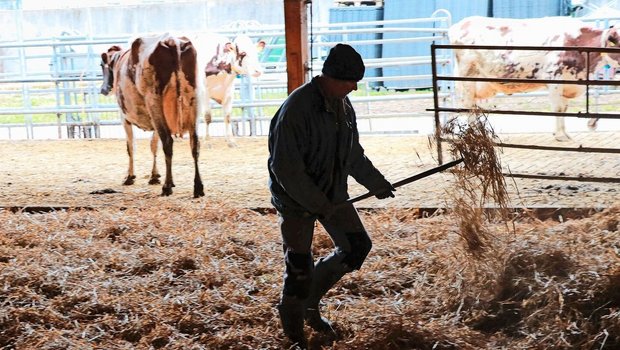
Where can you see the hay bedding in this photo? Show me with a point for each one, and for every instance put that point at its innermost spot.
(207, 276)
(181, 274)
(479, 180)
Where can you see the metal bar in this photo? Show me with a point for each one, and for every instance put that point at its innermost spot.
(382, 23)
(532, 81)
(551, 148)
(53, 110)
(50, 80)
(565, 178)
(552, 114)
(588, 82)
(529, 48)
(568, 149)
(436, 105)
(58, 43)
(381, 41)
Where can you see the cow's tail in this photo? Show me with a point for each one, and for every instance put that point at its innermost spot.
(179, 95)
(168, 64)
(180, 114)
(179, 92)
(187, 85)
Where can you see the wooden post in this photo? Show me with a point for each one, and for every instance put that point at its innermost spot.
(296, 29)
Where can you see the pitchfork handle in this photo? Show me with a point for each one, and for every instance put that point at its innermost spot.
(409, 179)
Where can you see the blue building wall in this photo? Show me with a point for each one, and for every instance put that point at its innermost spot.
(10, 4)
(402, 9)
(526, 9)
(359, 14)
(458, 9)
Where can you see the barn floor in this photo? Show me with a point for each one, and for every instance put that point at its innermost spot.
(144, 271)
(89, 173)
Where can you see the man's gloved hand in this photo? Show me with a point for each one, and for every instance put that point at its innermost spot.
(386, 192)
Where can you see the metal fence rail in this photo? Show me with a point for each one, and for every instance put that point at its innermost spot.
(586, 114)
(64, 72)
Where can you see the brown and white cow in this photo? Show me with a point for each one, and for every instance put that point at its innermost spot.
(155, 82)
(526, 64)
(220, 61)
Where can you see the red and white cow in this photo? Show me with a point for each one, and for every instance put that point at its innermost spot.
(155, 82)
(220, 61)
(522, 64)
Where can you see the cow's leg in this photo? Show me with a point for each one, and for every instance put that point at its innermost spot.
(195, 145)
(155, 108)
(227, 109)
(154, 180)
(560, 129)
(208, 120)
(467, 94)
(592, 123)
(559, 104)
(131, 148)
(167, 141)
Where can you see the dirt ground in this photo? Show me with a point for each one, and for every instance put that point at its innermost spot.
(89, 173)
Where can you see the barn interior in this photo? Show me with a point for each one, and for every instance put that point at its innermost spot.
(89, 263)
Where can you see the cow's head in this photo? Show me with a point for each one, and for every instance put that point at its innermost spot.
(246, 56)
(223, 59)
(239, 57)
(611, 39)
(108, 59)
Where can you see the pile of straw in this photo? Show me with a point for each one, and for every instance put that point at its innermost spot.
(479, 183)
(208, 276)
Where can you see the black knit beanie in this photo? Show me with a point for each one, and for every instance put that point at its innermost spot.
(344, 63)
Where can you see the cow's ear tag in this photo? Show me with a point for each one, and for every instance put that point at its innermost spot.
(238, 76)
(608, 66)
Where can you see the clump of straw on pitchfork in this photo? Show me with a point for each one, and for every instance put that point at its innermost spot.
(479, 182)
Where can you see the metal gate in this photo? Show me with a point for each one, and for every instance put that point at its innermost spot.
(588, 83)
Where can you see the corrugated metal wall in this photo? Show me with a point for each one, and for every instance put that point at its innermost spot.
(526, 9)
(459, 9)
(401, 9)
(359, 14)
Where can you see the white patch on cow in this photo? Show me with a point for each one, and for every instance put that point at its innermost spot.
(242, 60)
(548, 31)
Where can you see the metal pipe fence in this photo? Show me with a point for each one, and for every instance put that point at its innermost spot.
(55, 81)
(588, 83)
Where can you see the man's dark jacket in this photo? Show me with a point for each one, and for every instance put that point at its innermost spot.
(312, 151)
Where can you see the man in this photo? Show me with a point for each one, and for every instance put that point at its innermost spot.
(313, 148)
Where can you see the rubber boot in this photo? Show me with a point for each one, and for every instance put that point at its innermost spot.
(291, 312)
(316, 321)
(327, 272)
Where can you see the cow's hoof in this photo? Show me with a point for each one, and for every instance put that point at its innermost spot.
(592, 125)
(154, 180)
(129, 180)
(562, 138)
(198, 189)
(166, 190)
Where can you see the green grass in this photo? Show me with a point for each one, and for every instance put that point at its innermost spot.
(44, 96)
